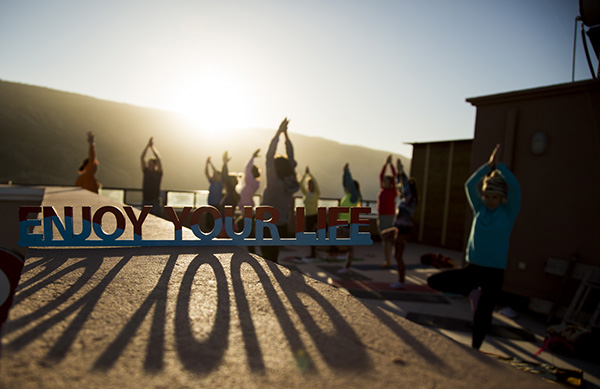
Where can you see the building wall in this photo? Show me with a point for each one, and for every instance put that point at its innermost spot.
(560, 211)
(440, 170)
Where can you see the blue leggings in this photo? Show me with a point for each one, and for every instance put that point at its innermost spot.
(462, 281)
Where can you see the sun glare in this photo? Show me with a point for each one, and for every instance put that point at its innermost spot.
(214, 103)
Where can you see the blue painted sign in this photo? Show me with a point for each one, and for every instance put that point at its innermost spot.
(329, 225)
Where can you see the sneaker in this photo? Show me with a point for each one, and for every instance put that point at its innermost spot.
(343, 270)
(398, 285)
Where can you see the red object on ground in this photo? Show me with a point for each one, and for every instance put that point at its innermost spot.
(11, 266)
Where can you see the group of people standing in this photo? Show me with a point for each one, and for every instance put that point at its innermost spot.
(151, 168)
(396, 204)
(493, 193)
(281, 185)
(494, 196)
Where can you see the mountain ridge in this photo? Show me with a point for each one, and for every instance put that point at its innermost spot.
(44, 132)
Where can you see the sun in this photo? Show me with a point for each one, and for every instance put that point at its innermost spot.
(216, 103)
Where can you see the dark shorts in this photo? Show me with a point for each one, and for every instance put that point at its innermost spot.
(385, 221)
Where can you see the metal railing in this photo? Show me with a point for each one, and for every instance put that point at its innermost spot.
(198, 198)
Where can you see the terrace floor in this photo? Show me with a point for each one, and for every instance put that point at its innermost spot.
(206, 316)
(518, 338)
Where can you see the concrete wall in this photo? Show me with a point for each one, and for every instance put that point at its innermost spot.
(560, 208)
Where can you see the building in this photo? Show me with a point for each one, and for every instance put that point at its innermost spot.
(440, 170)
(550, 139)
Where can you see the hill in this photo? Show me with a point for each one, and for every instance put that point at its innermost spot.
(43, 142)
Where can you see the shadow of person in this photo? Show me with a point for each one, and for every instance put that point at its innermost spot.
(45, 277)
(157, 298)
(57, 310)
(429, 355)
(206, 355)
(341, 348)
(254, 352)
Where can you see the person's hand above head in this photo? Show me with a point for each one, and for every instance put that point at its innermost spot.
(346, 166)
(389, 159)
(399, 166)
(307, 171)
(255, 155)
(91, 137)
(494, 157)
(151, 142)
(226, 157)
(283, 126)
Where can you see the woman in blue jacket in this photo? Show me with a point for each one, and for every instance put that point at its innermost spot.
(495, 209)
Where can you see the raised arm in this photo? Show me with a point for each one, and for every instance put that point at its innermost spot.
(150, 145)
(248, 177)
(225, 175)
(273, 145)
(404, 184)
(393, 170)
(400, 170)
(388, 162)
(315, 183)
(382, 174)
(91, 149)
(206, 169)
(289, 149)
(303, 187)
(349, 184)
(156, 155)
(513, 196)
(143, 157)
(471, 186)
(473, 195)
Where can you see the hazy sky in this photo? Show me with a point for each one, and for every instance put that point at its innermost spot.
(375, 73)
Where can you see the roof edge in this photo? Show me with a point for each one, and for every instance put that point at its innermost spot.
(571, 87)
